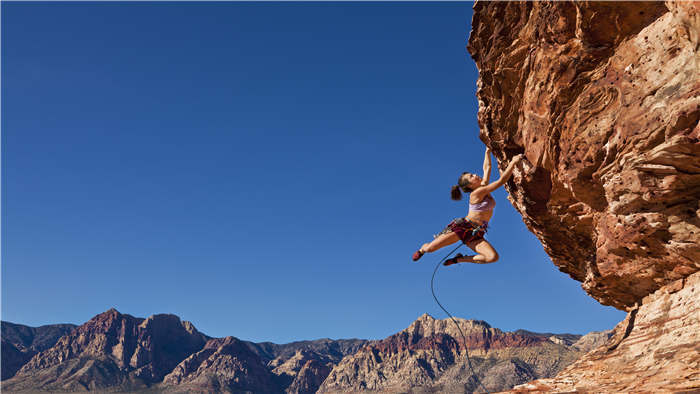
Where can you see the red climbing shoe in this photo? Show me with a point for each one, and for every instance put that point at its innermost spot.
(453, 260)
(419, 253)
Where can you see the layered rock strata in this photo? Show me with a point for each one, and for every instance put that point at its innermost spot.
(655, 349)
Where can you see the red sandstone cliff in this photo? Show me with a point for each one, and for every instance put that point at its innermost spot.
(603, 98)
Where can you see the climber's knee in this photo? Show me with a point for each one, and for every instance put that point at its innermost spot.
(492, 257)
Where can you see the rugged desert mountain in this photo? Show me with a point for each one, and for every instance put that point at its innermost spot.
(20, 343)
(111, 350)
(223, 365)
(603, 99)
(334, 349)
(119, 352)
(304, 371)
(34, 338)
(115, 351)
(430, 356)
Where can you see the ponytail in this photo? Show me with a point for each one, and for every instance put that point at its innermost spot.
(455, 193)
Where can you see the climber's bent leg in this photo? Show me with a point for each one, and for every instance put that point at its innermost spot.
(486, 254)
(440, 241)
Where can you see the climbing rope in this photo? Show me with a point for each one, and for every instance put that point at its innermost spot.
(464, 337)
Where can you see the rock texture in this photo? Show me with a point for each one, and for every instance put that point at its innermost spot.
(655, 349)
(603, 100)
(224, 365)
(115, 352)
(20, 343)
(429, 356)
(333, 349)
(304, 372)
(119, 352)
(111, 350)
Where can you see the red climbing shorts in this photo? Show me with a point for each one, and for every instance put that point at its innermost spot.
(466, 230)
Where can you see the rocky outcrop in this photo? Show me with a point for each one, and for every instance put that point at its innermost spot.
(13, 359)
(655, 349)
(592, 340)
(430, 355)
(603, 99)
(333, 349)
(110, 350)
(304, 372)
(224, 365)
(20, 343)
(34, 338)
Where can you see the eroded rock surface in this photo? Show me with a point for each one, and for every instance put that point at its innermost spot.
(304, 372)
(603, 99)
(223, 365)
(655, 349)
(20, 343)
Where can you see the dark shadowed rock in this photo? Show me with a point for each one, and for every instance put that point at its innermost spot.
(20, 343)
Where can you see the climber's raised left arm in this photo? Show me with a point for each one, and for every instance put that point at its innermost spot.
(487, 167)
(479, 193)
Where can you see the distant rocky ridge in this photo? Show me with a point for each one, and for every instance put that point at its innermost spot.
(430, 354)
(117, 352)
(20, 343)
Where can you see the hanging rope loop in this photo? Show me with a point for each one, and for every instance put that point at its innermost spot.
(464, 337)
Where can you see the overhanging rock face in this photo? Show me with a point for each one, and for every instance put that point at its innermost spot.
(603, 98)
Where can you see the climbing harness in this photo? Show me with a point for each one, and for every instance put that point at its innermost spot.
(477, 228)
(464, 337)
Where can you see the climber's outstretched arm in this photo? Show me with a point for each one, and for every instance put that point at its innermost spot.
(487, 167)
(484, 190)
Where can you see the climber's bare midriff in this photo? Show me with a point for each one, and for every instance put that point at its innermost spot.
(480, 216)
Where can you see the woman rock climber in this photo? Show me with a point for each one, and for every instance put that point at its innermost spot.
(472, 228)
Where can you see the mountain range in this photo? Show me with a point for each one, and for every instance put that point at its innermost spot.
(117, 352)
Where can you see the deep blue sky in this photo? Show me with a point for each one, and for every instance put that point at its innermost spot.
(263, 170)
